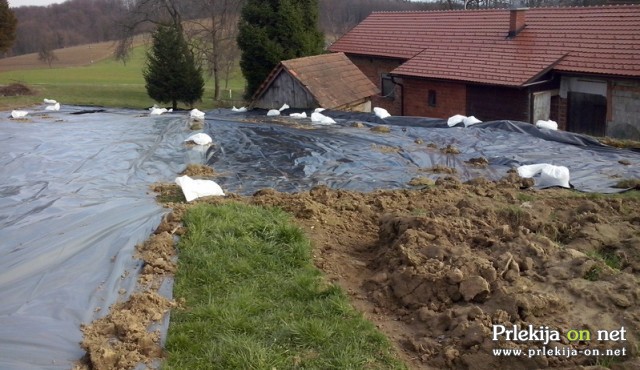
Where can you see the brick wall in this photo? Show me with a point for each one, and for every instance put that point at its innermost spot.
(489, 103)
(450, 98)
(373, 68)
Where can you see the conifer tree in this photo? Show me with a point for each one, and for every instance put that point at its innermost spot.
(8, 24)
(171, 73)
(276, 30)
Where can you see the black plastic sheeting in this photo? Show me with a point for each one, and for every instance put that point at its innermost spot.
(74, 196)
(255, 154)
(74, 202)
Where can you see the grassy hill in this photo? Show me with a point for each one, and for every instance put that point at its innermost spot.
(75, 56)
(74, 79)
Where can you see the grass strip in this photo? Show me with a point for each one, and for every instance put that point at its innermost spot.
(254, 300)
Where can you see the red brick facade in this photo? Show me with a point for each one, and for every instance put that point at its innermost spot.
(442, 99)
(447, 98)
(490, 103)
(373, 68)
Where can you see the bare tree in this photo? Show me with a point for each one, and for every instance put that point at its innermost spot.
(144, 15)
(46, 54)
(214, 38)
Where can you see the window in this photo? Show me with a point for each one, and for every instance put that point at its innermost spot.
(387, 86)
(432, 98)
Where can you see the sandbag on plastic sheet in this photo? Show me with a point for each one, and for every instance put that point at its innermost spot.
(550, 125)
(196, 115)
(550, 175)
(455, 119)
(321, 119)
(194, 189)
(252, 157)
(470, 121)
(505, 125)
(199, 139)
(381, 112)
(19, 113)
(74, 202)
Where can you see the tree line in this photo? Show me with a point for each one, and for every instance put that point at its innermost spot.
(212, 34)
(74, 22)
(77, 22)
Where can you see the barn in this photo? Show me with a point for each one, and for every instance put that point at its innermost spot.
(328, 81)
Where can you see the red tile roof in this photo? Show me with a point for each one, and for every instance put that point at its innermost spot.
(472, 45)
(332, 79)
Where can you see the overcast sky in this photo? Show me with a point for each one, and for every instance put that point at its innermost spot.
(17, 3)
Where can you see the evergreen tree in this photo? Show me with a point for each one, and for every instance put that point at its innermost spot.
(276, 30)
(171, 73)
(8, 23)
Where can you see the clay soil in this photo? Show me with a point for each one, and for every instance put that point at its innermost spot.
(436, 268)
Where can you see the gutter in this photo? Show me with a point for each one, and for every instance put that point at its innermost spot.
(538, 82)
(393, 80)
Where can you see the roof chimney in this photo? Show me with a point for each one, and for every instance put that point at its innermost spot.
(516, 20)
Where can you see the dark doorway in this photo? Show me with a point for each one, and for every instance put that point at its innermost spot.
(587, 114)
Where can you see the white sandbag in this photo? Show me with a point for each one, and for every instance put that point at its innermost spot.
(554, 176)
(49, 101)
(200, 139)
(194, 189)
(319, 110)
(298, 115)
(273, 113)
(157, 111)
(327, 121)
(530, 170)
(468, 121)
(550, 175)
(19, 113)
(55, 107)
(551, 125)
(239, 110)
(196, 114)
(284, 106)
(321, 119)
(381, 112)
(454, 120)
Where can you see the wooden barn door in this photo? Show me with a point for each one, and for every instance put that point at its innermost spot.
(587, 114)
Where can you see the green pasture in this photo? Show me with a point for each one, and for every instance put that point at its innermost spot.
(107, 83)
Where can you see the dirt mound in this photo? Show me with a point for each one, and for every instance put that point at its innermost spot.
(123, 339)
(437, 269)
(16, 89)
(198, 170)
(446, 271)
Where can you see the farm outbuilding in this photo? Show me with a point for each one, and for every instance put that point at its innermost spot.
(579, 66)
(328, 81)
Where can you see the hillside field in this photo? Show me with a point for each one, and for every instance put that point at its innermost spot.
(89, 75)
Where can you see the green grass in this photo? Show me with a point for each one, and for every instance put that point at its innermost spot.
(107, 83)
(525, 197)
(608, 257)
(593, 274)
(254, 300)
(514, 215)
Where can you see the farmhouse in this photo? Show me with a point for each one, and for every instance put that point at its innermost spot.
(579, 66)
(329, 81)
